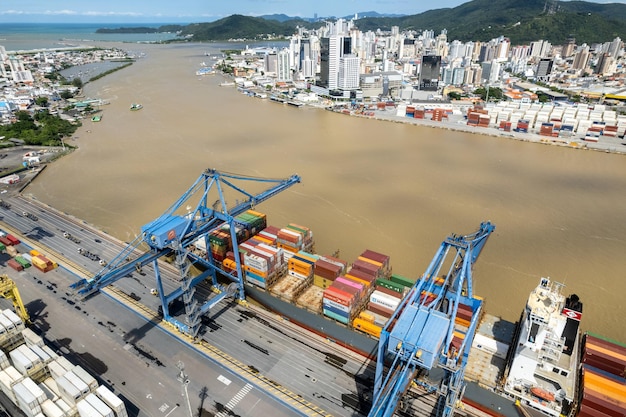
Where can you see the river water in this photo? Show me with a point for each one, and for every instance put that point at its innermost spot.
(394, 188)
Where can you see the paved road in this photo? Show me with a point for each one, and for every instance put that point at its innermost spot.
(138, 359)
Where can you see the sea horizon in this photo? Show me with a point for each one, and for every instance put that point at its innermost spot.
(37, 35)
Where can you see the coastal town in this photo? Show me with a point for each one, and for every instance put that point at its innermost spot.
(570, 94)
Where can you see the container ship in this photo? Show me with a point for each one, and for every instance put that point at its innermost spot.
(37, 382)
(537, 360)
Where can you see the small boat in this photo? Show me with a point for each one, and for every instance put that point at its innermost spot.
(136, 106)
(542, 393)
(96, 118)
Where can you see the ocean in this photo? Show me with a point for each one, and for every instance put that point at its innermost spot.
(31, 36)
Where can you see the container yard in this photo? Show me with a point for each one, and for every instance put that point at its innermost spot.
(40, 383)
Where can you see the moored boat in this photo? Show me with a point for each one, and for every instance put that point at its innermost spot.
(136, 106)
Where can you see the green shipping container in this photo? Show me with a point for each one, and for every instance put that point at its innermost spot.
(2, 247)
(390, 285)
(25, 264)
(402, 280)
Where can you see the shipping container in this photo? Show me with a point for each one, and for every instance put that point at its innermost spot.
(15, 265)
(31, 338)
(112, 400)
(98, 404)
(67, 390)
(34, 389)
(86, 410)
(13, 239)
(86, 377)
(50, 409)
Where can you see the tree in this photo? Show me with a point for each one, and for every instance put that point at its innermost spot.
(77, 82)
(41, 101)
(454, 95)
(66, 94)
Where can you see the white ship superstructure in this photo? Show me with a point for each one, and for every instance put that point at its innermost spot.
(542, 373)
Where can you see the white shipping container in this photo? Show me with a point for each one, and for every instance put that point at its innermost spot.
(35, 390)
(20, 361)
(28, 352)
(56, 370)
(67, 365)
(335, 305)
(32, 338)
(50, 409)
(298, 275)
(15, 319)
(99, 405)
(63, 405)
(86, 377)
(4, 360)
(50, 352)
(112, 400)
(6, 385)
(25, 398)
(50, 394)
(78, 383)
(67, 390)
(7, 324)
(384, 300)
(86, 410)
(43, 356)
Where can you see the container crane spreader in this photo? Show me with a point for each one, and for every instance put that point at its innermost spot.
(434, 326)
(202, 209)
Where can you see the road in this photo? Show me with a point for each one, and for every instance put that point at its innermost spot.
(138, 358)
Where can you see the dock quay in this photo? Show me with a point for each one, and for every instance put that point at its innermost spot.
(279, 369)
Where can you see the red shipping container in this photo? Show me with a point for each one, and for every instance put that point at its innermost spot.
(601, 403)
(338, 296)
(5, 241)
(13, 239)
(378, 309)
(15, 265)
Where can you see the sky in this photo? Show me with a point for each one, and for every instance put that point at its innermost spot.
(191, 11)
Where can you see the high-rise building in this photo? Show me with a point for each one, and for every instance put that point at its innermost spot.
(569, 47)
(283, 69)
(429, 74)
(332, 49)
(605, 61)
(348, 72)
(544, 69)
(581, 58)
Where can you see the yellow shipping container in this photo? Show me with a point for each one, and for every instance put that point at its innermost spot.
(321, 282)
(38, 262)
(362, 281)
(255, 271)
(371, 261)
(34, 252)
(367, 327)
(256, 213)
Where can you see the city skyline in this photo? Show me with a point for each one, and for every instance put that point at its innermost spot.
(192, 11)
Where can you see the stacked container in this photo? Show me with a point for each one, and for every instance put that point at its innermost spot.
(294, 238)
(42, 263)
(341, 301)
(99, 405)
(112, 400)
(326, 271)
(262, 263)
(9, 377)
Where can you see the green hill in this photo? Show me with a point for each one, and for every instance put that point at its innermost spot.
(521, 21)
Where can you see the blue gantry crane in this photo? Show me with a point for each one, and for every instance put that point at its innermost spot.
(432, 328)
(203, 208)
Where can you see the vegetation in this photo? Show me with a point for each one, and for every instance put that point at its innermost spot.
(112, 70)
(476, 20)
(41, 129)
(242, 27)
(520, 21)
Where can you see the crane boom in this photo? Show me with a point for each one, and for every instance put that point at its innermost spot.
(202, 209)
(433, 326)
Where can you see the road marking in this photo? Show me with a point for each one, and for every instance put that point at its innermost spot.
(235, 400)
(223, 380)
(172, 410)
